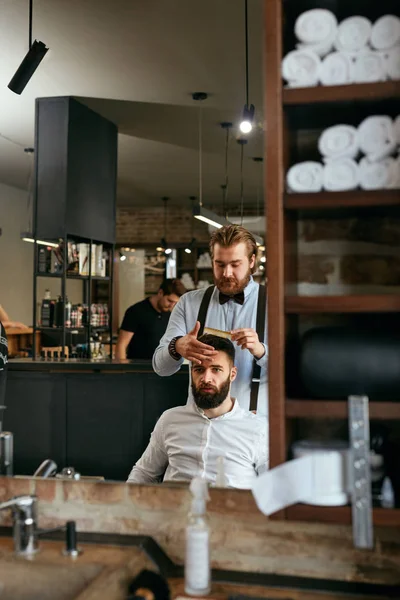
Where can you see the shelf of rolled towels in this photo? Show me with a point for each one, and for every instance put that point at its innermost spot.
(353, 51)
(377, 138)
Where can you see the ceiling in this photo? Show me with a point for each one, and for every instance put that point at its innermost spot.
(137, 62)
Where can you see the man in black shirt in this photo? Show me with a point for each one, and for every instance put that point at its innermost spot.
(145, 322)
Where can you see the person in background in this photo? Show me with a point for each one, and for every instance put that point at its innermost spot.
(145, 322)
(7, 322)
(187, 441)
(232, 308)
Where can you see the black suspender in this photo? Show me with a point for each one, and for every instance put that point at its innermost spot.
(260, 327)
(204, 308)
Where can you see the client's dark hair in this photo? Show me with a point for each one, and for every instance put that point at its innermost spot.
(219, 343)
(172, 286)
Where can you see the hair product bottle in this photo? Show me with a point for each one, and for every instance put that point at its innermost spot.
(197, 556)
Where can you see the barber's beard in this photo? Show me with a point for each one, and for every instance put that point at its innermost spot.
(206, 400)
(232, 285)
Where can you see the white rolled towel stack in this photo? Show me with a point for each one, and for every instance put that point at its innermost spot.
(377, 137)
(378, 175)
(316, 31)
(305, 177)
(353, 34)
(341, 175)
(336, 69)
(300, 68)
(385, 33)
(337, 142)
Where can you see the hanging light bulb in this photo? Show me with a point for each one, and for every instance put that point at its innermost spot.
(246, 124)
(164, 243)
(122, 257)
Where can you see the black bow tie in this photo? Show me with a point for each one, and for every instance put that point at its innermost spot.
(239, 298)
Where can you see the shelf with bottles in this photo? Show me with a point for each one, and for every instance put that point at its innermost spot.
(51, 259)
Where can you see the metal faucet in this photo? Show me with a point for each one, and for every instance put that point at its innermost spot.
(24, 511)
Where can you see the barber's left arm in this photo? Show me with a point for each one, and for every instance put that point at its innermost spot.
(248, 339)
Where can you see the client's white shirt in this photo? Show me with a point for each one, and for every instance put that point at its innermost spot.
(185, 443)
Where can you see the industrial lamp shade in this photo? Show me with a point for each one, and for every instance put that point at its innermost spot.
(28, 66)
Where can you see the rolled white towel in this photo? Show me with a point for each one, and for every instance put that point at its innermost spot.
(336, 69)
(341, 175)
(369, 67)
(397, 129)
(353, 34)
(376, 175)
(385, 32)
(394, 173)
(305, 177)
(391, 63)
(377, 137)
(316, 27)
(321, 49)
(339, 141)
(300, 68)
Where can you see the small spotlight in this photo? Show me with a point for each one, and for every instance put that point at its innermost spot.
(122, 257)
(246, 124)
(28, 66)
(263, 259)
(168, 251)
(159, 249)
(188, 251)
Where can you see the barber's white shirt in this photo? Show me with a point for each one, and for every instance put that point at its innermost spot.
(186, 444)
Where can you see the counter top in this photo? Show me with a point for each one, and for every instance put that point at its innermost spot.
(82, 365)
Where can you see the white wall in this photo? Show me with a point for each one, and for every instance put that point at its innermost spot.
(16, 256)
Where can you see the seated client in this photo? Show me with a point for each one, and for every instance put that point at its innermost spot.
(187, 440)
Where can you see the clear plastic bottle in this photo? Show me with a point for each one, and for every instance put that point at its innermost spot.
(197, 555)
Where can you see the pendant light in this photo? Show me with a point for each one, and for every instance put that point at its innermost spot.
(199, 212)
(226, 125)
(164, 243)
(36, 52)
(190, 246)
(246, 124)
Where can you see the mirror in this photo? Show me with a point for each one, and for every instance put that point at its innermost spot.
(85, 418)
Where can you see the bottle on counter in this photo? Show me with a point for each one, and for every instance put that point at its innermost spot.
(68, 310)
(47, 310)
(197, 554)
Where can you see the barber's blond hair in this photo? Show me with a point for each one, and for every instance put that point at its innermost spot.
(230, 235)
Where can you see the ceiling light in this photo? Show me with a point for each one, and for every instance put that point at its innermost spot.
(188, 251)
(159, 249)
(210, 217)
(28, 237)
(30, 63)
(263, 259)
(246, 124)
(122, 257)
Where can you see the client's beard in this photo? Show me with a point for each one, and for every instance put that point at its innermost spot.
(211, 399)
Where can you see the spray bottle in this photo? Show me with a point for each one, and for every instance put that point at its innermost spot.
(197, 558)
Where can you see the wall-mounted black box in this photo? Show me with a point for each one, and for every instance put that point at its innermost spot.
(76, 170)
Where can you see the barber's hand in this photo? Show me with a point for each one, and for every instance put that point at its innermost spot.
(248, 340)
(190, 348)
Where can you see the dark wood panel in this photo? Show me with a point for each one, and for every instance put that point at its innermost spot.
(342, 304)
(36, 415)
(337, 200)
(339, 409)
(322, 94)
(387, 517)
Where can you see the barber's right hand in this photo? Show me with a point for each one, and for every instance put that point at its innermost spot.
(190, 348)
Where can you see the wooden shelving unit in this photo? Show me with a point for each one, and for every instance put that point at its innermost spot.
(361, 92)
(286, 112)
(321, 409)
(342, 304)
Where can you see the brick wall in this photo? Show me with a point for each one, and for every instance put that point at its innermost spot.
(242, 538)
(357, 255)
(146, 226)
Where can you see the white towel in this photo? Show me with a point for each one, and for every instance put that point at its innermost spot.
(316, 27)
(397, 129)
(300, 68)
(386, 32)
(369, 67)
(353, 34)
(377, 137)
(391, 63)
(376, 175)
(341, 175)
(336, 69)
(394, 173)
(305, 177)
(339, 141)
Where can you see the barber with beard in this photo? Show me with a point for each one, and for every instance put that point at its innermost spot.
(232, 307)
(188, 440)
